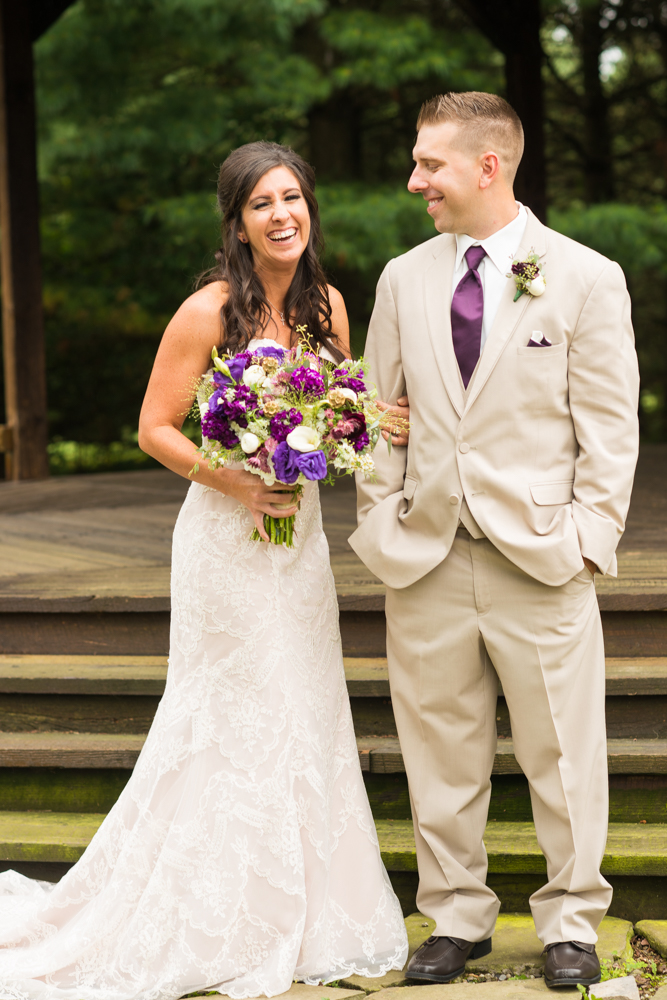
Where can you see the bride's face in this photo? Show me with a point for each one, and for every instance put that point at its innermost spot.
(276, 220)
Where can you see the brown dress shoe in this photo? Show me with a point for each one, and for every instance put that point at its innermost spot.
(571, 962)
(440, 959)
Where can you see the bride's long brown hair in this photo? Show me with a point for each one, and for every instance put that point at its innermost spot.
(247, 312)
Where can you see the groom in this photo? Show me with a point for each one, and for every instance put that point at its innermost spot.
(488, 530)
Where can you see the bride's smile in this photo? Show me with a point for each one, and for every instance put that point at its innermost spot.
(276, 221)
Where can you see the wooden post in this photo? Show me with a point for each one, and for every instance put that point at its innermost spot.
(23, 327)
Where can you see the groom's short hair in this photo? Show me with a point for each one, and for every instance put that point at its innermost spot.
(486, 122)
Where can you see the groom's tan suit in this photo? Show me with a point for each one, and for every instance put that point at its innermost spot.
(536, 459)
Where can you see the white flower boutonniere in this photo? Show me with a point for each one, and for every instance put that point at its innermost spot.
(528, 276)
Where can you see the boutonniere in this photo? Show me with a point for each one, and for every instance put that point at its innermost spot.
(528, 276)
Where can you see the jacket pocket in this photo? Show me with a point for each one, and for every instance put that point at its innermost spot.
(559, 492)
(542, 352)
(409, 487)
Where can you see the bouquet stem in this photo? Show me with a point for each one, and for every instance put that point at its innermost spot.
(281, 529)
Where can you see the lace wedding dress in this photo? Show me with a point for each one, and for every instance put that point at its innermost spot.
(242, 854)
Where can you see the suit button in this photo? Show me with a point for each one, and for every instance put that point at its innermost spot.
(454, 499)
(464, 447)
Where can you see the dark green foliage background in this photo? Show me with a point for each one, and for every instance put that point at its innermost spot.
(139, 103)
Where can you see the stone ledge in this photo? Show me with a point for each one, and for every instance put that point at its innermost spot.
(655, 932)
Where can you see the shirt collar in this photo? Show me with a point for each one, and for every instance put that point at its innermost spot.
(501, 246)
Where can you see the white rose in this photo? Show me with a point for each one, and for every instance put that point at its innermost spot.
(349, 394)
(254, 376)
(537, 286)
(249, 442)
(303, 439)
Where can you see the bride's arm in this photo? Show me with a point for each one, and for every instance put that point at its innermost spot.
(341, 327)
(182, 358)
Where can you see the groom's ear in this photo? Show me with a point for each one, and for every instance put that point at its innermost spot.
(489, 169)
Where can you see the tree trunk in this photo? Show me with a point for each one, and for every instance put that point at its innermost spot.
(525, 92)
(513, 26)
(598, 164)
(334, 140)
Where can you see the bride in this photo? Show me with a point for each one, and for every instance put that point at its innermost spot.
(242, 854)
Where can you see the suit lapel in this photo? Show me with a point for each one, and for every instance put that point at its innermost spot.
(438, 299)
(509, 312)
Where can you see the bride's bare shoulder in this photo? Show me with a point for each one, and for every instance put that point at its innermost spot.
(198, 318)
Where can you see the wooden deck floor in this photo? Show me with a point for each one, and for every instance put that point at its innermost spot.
(77, 538)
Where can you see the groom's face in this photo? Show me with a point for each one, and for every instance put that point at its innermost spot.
(446, 176)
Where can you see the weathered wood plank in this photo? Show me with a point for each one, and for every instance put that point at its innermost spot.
(92, 491)
(116, 713)
(636, 757)
(38, 836)
(122, 633)
(367, 677)
(632, 849)
(96, 520)
(93, 675)
(70, 750)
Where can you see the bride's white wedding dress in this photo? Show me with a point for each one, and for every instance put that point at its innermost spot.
(242, 854)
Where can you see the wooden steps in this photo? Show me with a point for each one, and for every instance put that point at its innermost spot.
(632, 849)
(119, 693)
(383, 756)
(378, 755)
(86, 675)
(70, 750)
(84, 632)
(367, 677)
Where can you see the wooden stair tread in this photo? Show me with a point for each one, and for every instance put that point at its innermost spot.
(70, 750)
(367, 677)
(632, 848)
(46, 836)
(380, 755)
(62, 674)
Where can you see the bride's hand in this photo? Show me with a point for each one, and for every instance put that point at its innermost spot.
(401, 409)
(253, 493)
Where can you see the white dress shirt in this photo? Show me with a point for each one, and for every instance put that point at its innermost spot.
(501, 249)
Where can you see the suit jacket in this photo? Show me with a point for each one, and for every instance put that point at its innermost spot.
(543, 444)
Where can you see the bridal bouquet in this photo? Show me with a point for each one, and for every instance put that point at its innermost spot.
(289, 416)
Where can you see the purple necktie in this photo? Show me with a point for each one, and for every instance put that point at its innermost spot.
(467, 314)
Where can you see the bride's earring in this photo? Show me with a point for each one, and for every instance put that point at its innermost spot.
(243, 239)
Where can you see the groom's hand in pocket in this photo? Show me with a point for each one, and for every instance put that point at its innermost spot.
(400, 409)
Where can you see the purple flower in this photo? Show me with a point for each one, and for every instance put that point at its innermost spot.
(308, 381)
(361, 442)
(525, 269)
(237, 365)
(270, 352)
(313, 464)
(243, 400)
(284, 422)
(216, 428)
(285, 462)
(346, 381)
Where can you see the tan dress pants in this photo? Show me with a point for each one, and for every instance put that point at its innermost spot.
(474, 618)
